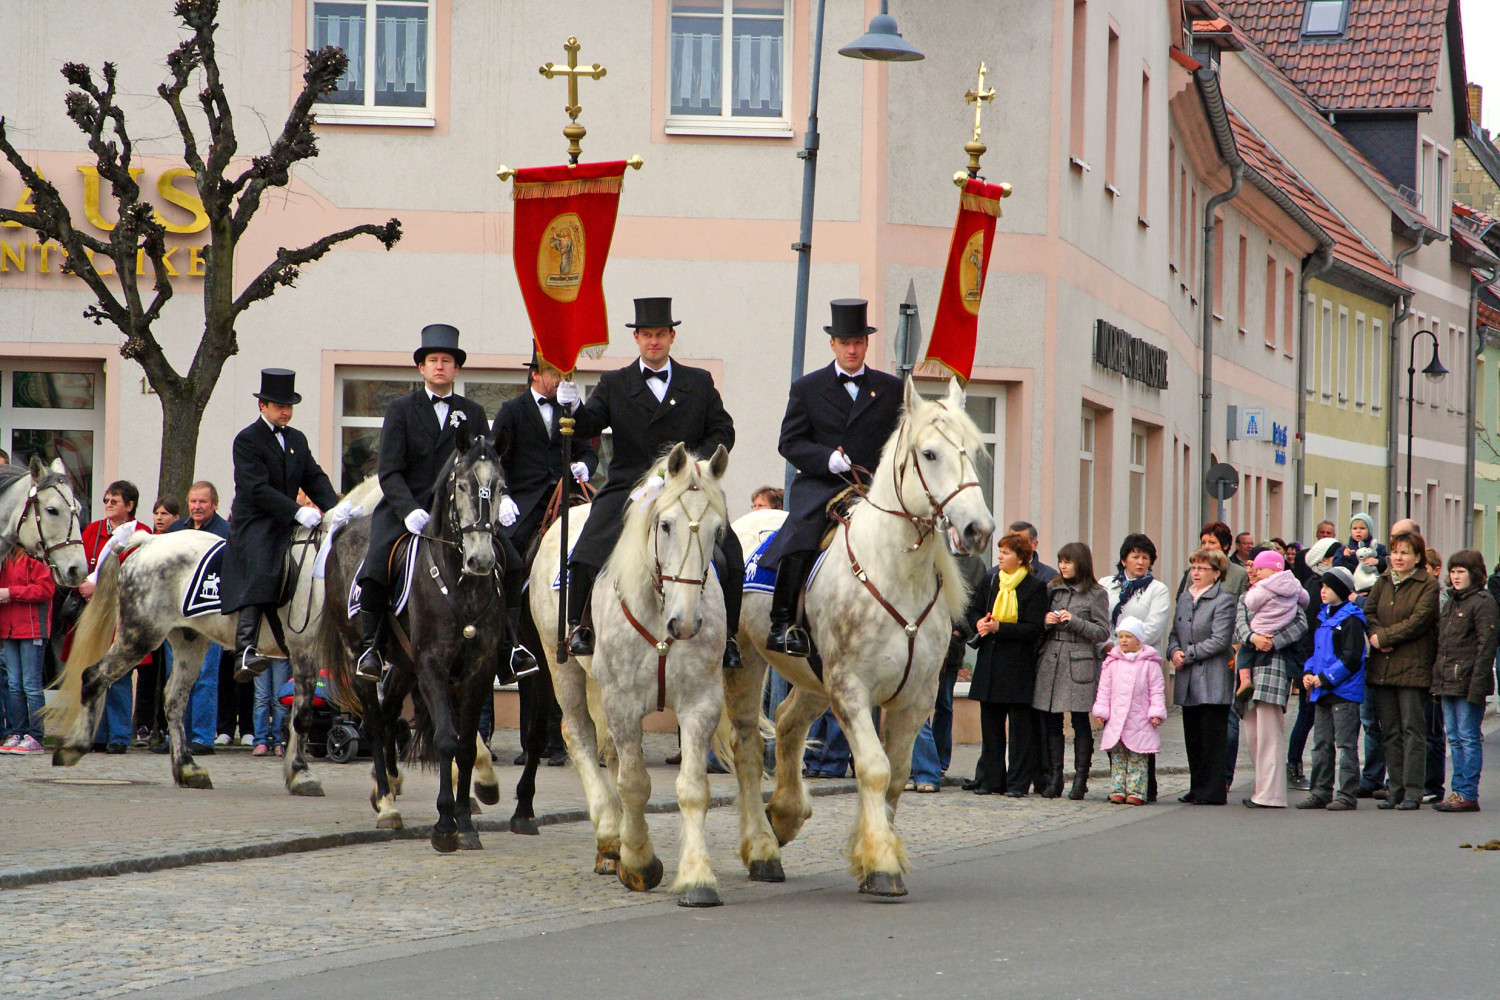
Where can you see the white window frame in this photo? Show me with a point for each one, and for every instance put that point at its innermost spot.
(31, 418)
(1359, 360)
(1377, 352)
(1341, 379)
(1326, 339)
(369, 113)
(1087, 480)
(726, 123)
(1138, 472)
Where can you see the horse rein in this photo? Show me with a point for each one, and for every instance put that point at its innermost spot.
(910, 628)
(33, 508)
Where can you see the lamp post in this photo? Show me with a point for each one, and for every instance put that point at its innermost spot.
(882, 43)
(1434, 371)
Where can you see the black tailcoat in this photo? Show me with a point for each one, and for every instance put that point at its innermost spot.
(266, 480)
(533, 460)
(413, 450)
(820, 417)
(643, 431)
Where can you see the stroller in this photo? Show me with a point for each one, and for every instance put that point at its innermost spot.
(331, 733)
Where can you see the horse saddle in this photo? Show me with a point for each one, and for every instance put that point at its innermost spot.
(203, 593)
(403, 569)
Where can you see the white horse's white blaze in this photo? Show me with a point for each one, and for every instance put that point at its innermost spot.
(926, 465)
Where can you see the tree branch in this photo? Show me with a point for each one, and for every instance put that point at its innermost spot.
(286, 268)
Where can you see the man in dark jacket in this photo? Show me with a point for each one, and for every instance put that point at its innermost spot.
(651, 404)
(203, 704)
(272, 461)
(837, 421)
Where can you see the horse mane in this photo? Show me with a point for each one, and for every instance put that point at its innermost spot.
(635, 536)
(11, 474)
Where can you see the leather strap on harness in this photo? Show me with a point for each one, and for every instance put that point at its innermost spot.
(911, 628)
(662, 646)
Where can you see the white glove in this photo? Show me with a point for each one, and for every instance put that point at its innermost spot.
(644, 492)
(122, 534)
(580, 471)
(417, 520)
(309, 517)
(838, 463)
(567, 393)
(508, 512)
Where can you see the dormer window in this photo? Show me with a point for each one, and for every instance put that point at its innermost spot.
(1325, 18)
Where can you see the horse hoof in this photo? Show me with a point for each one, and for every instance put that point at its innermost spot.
(445, 843)
(65, 757)
(604, 864)
(389, 821)
(488, 794)
(469, 841)
(781, 841)
(474, 809)
(525, 825)
(769, 870)
(645, 880)
(195, 777)
(305, 784)
(700, 896)
(883, 884)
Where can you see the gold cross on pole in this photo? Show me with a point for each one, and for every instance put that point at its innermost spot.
(977, 97)
(573, 131)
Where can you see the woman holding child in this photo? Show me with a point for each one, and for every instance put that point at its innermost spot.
(1268, 626)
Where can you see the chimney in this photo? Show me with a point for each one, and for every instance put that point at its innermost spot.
(1476, 104)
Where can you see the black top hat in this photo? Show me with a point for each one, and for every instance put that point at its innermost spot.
(440, 337)
(535, 363)
(653, 314)
(849, 319)
(278, 385)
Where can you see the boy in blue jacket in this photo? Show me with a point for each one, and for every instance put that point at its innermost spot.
(1334, 677)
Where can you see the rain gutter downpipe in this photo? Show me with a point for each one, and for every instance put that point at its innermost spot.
(1316, 263)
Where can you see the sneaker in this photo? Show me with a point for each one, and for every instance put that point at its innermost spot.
(30, 744)
(223, 740)
(1339, 805)
(9, 746)
(1313, 802)
(260, 750)
(142, 736)
(1454, 804)
(247, 740)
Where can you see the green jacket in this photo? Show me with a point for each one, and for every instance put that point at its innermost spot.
(1403, 618)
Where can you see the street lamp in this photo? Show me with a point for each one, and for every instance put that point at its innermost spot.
(1434, 372)
(882, 43)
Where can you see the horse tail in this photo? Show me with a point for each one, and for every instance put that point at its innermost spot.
(92, 637)
(338, 666)
(723, 738)
(419, 750)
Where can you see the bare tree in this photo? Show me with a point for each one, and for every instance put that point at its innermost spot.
(230, 200)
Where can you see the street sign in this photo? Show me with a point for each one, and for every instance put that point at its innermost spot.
(1222, 481)
(1248, 423)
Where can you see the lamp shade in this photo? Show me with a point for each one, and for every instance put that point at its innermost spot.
(882, 43)
(1434, 369)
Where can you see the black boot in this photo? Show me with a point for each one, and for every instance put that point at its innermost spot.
(785, 636)
(373, 605)
(248, 663)
(1296, 777)
(1054, 765)
(731, 563)
(522, 663)
(1083, 759)
(580, 589)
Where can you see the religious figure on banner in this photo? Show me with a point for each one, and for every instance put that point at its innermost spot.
(560, 258)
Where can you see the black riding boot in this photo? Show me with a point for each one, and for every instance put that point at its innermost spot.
(248, 663)
(374, 602)
(731, 566)
(1083, 759)
(1054, 765)
(580, 588)
(784, 636)
(522, 663)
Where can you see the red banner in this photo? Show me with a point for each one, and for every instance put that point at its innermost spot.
(954, 330)
(564, 222)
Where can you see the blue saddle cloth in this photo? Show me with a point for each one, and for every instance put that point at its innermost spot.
(403, 572)
(203, 595)
(762, 580)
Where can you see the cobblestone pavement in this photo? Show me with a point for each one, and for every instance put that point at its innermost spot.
(104, 937)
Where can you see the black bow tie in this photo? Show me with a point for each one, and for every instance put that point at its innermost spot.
(440, 399)
(546, 401)
(856, 379)
(650, 373)
(278, 431)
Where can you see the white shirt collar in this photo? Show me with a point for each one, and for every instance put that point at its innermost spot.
(838, 370)
(540, 399)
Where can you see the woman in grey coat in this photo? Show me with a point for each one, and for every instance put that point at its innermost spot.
(1199, 650)
(1067, 673)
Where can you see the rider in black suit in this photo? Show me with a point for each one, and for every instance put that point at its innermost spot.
(272, 461)
(533, 461)
(837, 421)
(651, 404)
(416, 441)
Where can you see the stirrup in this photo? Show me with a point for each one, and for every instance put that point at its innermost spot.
(371, 666)
(522, 663)
(793, 641)
(732, 659)
(581, 641)
(252, 664)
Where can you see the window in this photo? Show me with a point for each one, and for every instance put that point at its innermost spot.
(985, 405)
(1359, 359)
(1428, 192)
(1143, 173)
(1270, 330)
(1325, 17)
(1191, 245)
(1441, 203)
(1289, 312)
(1112, 109)
(739, 87)
(1377, 352)
(1372, 507)
(1137, 480)
(1331, 507)
(1078, 97)
(1243, 275)
(1342, 376)
(55, 409)
(1086, 479)
(390, 48)
(1218, 266)
(1172, 188)
(1326, 364)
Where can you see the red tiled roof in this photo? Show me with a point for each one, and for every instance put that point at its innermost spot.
(1387, 57)
(1348, 245)
(1489, 315)
(1464, 211)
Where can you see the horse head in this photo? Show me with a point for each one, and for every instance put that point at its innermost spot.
(475, 484)
(686, 519)
(49, 526)
(938, 445)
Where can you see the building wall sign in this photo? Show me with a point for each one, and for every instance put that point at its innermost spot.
(1132, 357)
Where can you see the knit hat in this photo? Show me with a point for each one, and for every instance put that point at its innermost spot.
(1369, 522)
(1270, 559)
(1321, 549)
(1134, 626)
(1340, 581)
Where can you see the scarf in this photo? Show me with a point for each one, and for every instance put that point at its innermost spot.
(1128, 589)
(1006, 609)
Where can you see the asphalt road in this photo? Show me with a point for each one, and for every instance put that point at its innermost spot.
(1161, 902)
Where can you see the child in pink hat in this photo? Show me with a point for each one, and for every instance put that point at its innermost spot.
(1275, 597)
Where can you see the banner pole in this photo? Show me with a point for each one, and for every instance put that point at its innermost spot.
(565, 430)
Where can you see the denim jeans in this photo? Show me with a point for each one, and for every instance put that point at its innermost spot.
(200, 717)
(270, 713)
(1466, 745)
(1372, 776)
(832, 757)
(22, 660)
(942, 718)
(114, 722)
(777, 688)
(926, 768)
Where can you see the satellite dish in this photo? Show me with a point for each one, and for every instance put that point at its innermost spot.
(1222, 481)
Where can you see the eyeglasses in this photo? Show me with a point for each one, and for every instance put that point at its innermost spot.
(112, 501)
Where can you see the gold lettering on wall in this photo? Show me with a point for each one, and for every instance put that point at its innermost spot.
(91, 197)
(170, 193)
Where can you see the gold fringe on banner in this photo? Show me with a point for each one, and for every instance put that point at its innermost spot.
(566, 189)
(970, 203)
(933, 368)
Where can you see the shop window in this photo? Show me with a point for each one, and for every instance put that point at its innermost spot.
(729, 66)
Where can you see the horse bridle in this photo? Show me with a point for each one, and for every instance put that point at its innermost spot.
(924, 525)
(33, 508)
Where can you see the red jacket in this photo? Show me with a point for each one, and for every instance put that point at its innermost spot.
(28, 612)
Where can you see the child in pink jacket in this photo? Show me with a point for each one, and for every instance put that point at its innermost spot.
(1273, 600)
(1132, 702)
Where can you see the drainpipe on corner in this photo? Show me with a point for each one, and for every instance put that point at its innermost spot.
(1471, 397)
(1206, 303)
(1317, 263)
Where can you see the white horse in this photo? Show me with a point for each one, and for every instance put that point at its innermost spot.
(880, 610)
(659, 614)
(138, 604)
(39, 513)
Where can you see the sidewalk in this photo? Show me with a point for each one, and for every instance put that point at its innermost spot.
(114, 815)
